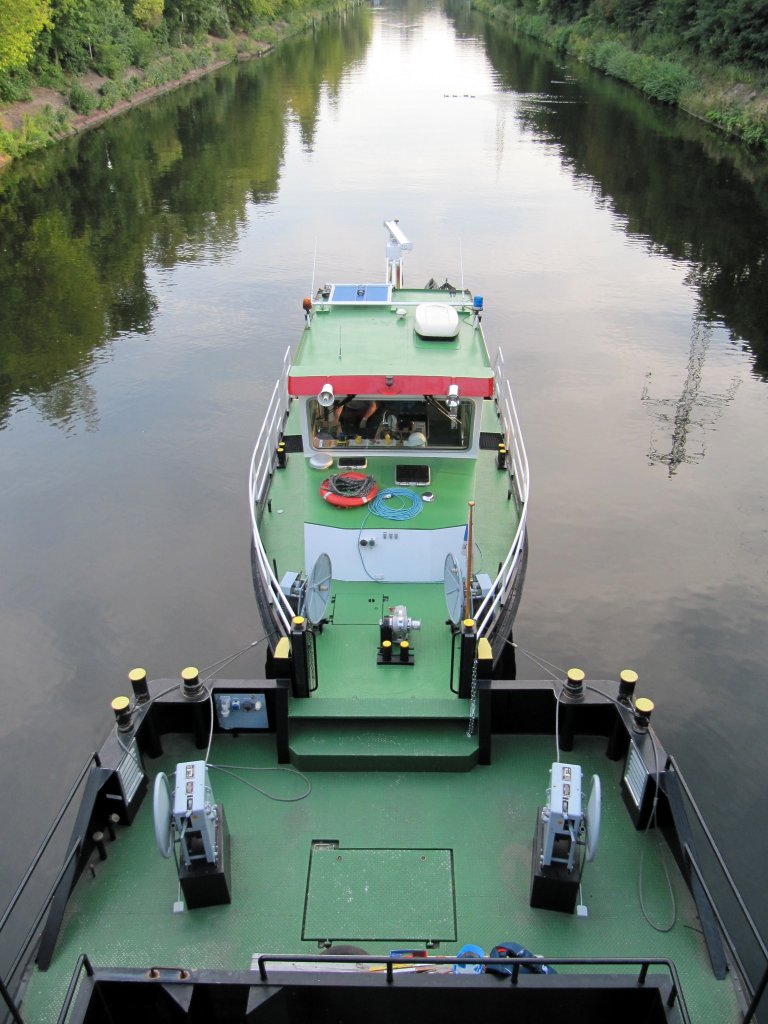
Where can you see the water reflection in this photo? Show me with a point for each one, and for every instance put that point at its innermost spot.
(676, 185)
(83, 225)
(686, 418)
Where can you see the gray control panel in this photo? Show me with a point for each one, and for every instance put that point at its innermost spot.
(241, 710)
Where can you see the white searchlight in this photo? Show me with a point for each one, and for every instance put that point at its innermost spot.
(325, 396)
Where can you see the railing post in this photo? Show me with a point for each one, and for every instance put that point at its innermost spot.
(299, 657)
(467, 657)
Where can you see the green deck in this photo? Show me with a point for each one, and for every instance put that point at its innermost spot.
(381, 697)
(295, 499)
(478, 826)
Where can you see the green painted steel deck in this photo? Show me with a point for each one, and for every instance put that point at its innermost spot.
(296, 499)
(482, 820)
(387, 343)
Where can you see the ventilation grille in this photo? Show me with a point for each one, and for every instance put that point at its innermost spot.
(635, 774)
(130, 772)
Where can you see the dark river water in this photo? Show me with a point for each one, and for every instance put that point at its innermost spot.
(151, 277)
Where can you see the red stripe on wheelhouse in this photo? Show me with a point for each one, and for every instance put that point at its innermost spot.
(343, 384)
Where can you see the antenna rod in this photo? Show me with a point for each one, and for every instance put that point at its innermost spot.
(468, 605)
(461, 264)
(314, 264)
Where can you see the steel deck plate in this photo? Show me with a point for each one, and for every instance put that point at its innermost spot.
(380, 895)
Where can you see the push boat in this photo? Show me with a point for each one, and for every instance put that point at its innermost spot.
(390, 822)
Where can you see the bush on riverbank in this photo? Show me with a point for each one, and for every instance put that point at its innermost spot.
(90, 56)
(733, 98)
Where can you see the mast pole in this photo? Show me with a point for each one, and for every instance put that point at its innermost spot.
(468, 604)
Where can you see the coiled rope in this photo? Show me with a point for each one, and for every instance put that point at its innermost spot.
(350, 485)
(409, 504)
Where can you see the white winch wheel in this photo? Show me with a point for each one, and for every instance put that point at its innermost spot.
(594, 809)
(161, 809)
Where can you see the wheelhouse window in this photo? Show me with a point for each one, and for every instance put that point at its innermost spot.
(365, 421)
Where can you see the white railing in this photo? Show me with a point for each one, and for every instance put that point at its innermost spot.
(262, 467)
(513, 437)
(517, 457)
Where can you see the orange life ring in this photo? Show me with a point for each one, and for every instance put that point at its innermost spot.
(347, 500)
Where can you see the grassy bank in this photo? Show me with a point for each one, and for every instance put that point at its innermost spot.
(731, 98)
(59, 105)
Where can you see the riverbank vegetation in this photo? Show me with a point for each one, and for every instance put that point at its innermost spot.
(709, 57)
(65, 64)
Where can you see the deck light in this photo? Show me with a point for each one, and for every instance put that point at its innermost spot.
(325, 396)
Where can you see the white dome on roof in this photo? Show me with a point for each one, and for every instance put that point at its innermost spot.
(436, 320)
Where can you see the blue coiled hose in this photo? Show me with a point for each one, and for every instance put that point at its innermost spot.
(410, 504)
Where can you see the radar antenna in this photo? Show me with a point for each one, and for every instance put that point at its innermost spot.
(317, 590)
(453, 588)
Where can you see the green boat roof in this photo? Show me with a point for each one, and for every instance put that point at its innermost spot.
(358, 344)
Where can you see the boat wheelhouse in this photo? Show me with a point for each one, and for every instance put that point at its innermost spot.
(389, 487)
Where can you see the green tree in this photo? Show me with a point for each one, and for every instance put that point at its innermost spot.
(736, 31)
(196, 16)
(21, 22)
(243, 13)
(148, 13)
(91, 33)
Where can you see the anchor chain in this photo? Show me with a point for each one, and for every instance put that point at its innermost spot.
(472, 701)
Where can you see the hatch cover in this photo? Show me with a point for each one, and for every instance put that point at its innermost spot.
(380, 895)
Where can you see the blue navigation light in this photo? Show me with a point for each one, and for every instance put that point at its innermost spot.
(477, 303)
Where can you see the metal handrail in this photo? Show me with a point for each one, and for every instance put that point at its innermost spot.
(74, 851)
(672, 763)
(83, 964)
(262, 465)
(755, 992)
(513, 439)
(10, 1004)
(93, 759)
(29, 874)
(514, 963)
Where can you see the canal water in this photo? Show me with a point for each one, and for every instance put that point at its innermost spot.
(151, 278)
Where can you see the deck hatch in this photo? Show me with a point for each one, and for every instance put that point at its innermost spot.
(380, 895)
